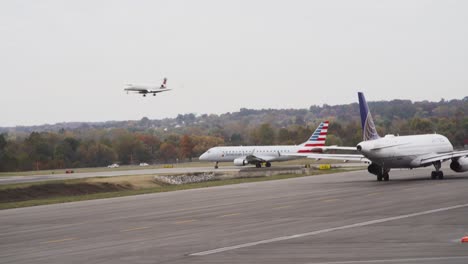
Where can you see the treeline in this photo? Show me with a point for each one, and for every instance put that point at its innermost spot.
(187, 136)
(48, 150)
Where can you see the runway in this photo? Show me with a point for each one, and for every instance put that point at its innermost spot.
(339, 218)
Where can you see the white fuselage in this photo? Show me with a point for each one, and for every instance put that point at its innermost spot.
(404, 151)
(269, 153)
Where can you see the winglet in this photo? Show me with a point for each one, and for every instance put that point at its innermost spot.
(369, 132)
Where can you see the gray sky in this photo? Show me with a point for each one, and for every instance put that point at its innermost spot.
(70, 60)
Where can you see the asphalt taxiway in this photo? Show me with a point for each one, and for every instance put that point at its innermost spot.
(337, 218)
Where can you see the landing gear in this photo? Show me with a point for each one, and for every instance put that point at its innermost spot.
(216, 165)
(258, 165)
(268, 164)
(144, 95)
(154, 94)
(437, 174)
(380, 171)
(383, 176)
(386, 177)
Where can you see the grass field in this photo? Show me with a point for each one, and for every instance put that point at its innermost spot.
(51, 192)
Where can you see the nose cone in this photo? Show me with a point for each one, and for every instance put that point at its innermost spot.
(203, 156)
(208, 155)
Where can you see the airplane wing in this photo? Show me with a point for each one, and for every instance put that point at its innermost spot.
(158, 91)
(343, 157)
(443, 156)
(141, 90)
(337, 148)
(254, 158)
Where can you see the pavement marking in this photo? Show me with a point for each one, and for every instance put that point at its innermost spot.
(135, 228)
(59, 240)
(329, 200)
(185, 221)
(180, 210)
(227, 215)
(406, 260)
(282, 207)
(361, 224)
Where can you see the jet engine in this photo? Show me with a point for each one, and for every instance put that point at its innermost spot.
(460, 164)
(240, 162)
(374, 169)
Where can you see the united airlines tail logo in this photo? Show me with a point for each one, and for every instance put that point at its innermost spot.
(369, 132)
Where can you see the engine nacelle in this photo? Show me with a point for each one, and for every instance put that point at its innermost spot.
(460, 164)
(240, 162)
(374, 169)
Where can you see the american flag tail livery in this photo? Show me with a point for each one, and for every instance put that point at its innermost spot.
(368, 127)
(163, 85)
(317, 140)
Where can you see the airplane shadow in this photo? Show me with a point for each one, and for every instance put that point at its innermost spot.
(409, 179)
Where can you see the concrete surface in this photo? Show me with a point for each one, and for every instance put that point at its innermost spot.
(340, 218)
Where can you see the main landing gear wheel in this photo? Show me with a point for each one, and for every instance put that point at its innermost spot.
(386, 177)
(216, 165)
(268, 164)
(258, 165)
(437, 175)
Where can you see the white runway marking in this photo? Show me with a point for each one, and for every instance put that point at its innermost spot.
(406, 260)
(372, 222)
(135, 228)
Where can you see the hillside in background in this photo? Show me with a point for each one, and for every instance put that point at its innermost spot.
(80, 144)
(385, 113)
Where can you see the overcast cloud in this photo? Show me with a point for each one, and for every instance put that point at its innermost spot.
(70, 60)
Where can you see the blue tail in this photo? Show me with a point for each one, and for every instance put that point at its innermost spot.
(368, 128)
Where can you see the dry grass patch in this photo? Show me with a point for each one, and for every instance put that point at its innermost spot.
(137, 181)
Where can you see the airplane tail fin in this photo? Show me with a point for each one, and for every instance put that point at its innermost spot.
(163, 85)
(369, 132)
(317, 139)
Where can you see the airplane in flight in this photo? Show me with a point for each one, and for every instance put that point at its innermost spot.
(243, 155)
(144, 90)
(388, 152)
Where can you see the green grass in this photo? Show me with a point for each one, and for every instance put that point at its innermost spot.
(164, 188)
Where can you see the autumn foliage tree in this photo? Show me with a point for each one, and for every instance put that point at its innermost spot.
(168, 152)
(186, 148)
